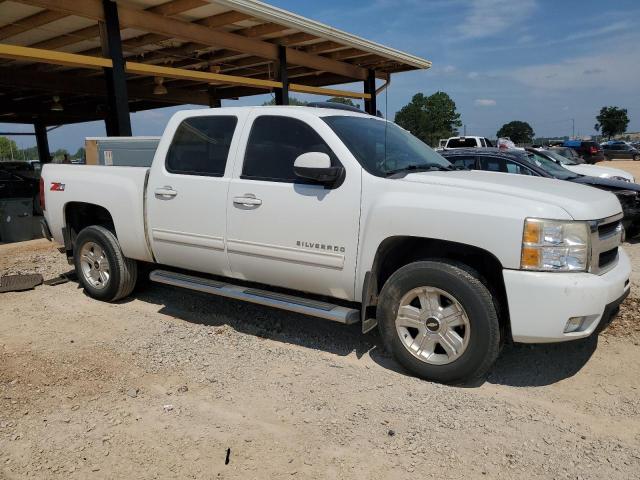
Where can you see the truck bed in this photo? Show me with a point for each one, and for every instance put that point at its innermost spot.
(120, 190)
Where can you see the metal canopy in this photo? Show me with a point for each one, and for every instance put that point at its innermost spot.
(173, 52)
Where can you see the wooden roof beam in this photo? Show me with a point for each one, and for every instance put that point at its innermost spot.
(191, 32)
(168, 9)
(72, 84)
(32, 21)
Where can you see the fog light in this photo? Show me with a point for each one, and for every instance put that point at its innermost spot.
(574, 324)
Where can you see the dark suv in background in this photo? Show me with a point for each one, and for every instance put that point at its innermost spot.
(589, 150)
(620, 150)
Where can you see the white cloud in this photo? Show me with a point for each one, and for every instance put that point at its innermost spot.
(449, 69)
(472, 75)
(594, 71)
(489, 17)
(484, 102)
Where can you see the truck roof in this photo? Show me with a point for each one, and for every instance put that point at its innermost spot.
(317, 111)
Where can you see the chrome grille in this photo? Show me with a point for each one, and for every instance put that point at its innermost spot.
(606, 237)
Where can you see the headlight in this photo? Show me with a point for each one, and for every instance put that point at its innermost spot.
(557, 246)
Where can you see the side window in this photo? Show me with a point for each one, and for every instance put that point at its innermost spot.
(503, 165)
(488, 142)
(492, 164)
(274, 144)
(513, 167)
(464, 162)
(201, 146)
(482, 142)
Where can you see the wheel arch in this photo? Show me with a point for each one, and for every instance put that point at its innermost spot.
(398, 251)
(79, 215)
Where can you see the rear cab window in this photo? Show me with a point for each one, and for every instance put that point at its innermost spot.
(274, 144)
(462, 143)
(201, 146)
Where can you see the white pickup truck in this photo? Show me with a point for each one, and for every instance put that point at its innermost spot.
(347, 217)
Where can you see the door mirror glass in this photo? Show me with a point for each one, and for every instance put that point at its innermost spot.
(316, 166)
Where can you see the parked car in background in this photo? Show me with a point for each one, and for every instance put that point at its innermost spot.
(467, 142)
(20, 180)
(589, 150)
(532, 163)
(15, 186)
(27, 168)
(582, 168)
(620, 151)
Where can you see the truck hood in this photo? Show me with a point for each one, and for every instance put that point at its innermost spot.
(579, 201)
(597, 171)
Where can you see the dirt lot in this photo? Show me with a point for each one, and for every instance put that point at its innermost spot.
(174, 384)
(628, 165)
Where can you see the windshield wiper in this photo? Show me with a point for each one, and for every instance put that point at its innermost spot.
(413, 168)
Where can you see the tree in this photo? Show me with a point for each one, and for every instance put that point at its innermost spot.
(292, 101)
(517, 131)
(430, 118)
(59, 154)
(612, 121)
(8, 149)
(344, 101)
(80, 153)
(29, 153)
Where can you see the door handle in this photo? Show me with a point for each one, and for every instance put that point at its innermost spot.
(165, 191)
(247, 201)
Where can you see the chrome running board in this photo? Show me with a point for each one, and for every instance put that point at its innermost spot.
(291, 303)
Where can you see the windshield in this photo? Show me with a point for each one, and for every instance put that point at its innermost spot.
(383, 148)
(568, 153)
(550, 166)
(560, 158)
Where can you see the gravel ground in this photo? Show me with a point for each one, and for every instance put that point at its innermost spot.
(175, 384)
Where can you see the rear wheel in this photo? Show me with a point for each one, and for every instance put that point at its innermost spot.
(104, 272)
(439, 321)
(636, 158)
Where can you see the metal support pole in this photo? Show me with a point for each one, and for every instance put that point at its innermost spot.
(214, 101)
(42, 141)
(282, 94)
(370, 88)
(118, 122)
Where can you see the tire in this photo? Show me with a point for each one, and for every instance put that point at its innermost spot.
(455, 288)
(96, 253)
(636, 158)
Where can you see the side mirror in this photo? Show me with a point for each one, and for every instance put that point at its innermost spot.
(316, 166)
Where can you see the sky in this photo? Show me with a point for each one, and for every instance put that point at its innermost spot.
(545, 62)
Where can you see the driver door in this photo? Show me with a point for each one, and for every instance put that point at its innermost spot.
(285, 231)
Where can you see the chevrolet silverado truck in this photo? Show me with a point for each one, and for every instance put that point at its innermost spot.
(347, 217)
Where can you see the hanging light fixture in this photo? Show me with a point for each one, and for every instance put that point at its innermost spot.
(159, 89)
(56, 106)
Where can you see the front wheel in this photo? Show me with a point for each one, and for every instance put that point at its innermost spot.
(636, 158)
(104, 272)
(439, 321)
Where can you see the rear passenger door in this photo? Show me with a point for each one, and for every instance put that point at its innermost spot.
(187, 194)
(284, 231)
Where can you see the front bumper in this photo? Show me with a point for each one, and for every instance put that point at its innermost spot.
(541, 303)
